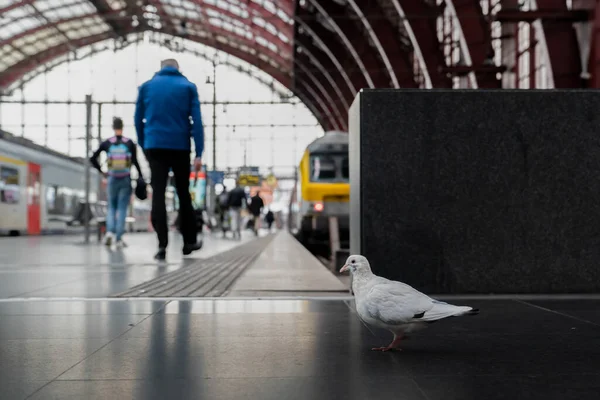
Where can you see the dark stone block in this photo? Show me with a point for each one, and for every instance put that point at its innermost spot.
(478, 191)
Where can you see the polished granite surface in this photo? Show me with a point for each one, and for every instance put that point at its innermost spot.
(293, 349)
(63, 266)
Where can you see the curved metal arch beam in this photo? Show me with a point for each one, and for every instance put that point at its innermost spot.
(208, 27)
(14, 72)
(314, 60)
(260, 11)
(310, 104)
(339, 121)
(371, 8)
(57, 62)
(324, 106)
(316, 32)
(474, 39)
(329, 73)
(324, 12)
(21, 68)
(418, 54)
(562, 47)
(240, 68)
(264, 33)
(243, 70)
(420, 18)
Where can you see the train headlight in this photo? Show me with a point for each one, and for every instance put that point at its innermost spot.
(318, 207)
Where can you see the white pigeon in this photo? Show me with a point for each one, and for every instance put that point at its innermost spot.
(393, 305)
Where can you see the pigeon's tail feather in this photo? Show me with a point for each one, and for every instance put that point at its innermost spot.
(444, 310)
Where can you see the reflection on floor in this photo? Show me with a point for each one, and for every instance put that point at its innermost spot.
(272, 349)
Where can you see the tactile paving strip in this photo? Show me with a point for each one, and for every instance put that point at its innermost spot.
(210, 277)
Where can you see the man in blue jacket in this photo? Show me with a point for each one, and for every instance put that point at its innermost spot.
(163, 109)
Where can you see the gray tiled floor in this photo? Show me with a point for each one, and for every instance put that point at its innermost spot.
(292, 349)
(232, 349)
(62, 266)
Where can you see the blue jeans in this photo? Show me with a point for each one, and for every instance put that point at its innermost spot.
(119, 194)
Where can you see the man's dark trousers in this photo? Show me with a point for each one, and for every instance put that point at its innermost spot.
(161, 160)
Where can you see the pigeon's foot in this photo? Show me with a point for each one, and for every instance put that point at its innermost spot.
(391, 346)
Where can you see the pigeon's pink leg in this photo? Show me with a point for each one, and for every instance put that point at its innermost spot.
(391, 346)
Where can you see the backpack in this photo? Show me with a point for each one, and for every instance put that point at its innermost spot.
(223, 199)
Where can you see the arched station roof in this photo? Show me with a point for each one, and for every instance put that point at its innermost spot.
(325, 51)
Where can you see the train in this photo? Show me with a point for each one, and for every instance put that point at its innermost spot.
(40, 189)
(322, 190)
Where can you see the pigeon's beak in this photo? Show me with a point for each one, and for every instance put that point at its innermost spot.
(344, 268)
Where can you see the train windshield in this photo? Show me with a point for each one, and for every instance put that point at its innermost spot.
(329, 168)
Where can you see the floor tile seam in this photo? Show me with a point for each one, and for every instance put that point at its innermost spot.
(224, 378)
(508, 375)
(70, 315)
(558, 313)
(421, 390)
(293, 290)
(96, 351)
(171, 298)
(46, 287)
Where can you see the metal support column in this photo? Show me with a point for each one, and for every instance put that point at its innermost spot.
(214, 118)
(334, 240)
(99, 133)
(211, 196)
(88, 138)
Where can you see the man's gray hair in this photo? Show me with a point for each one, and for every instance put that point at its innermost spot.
(169, 62)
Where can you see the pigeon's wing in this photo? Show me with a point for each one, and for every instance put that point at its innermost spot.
(395, 303)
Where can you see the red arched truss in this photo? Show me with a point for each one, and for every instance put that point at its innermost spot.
(323, 50)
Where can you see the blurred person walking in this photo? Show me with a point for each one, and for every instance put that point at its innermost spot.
(121, 154)
(237, 201)
(256, 206)
(163, 109)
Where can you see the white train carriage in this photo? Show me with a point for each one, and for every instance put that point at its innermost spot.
(39, 188)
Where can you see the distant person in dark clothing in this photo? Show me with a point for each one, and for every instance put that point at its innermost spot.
(270, 218)
(164, 106)
(256, 206)
(222, 210)
(238, 199)
(121, 154)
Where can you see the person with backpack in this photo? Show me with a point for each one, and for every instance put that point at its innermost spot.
(121, 154)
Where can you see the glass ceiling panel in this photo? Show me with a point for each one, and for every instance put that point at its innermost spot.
(67, 9)
(116, 4)
(11, 56)
(40, 13)
(182, 12)
(34, 36)
(17, 21)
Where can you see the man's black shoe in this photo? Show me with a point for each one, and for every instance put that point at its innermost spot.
(189, 248)
(161, 254)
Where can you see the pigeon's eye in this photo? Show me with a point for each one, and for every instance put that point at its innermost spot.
(353, 261)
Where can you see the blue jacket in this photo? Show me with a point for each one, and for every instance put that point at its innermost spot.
(163, 109)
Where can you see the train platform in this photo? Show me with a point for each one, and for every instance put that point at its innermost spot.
(262, 321)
